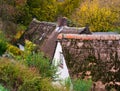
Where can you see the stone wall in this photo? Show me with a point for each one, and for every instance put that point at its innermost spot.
(93, 56)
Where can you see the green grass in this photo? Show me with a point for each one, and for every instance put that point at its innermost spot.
(82, 85)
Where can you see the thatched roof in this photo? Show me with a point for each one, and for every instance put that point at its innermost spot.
(37, 31)
(44, 34)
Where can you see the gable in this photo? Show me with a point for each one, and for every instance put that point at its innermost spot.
(44, 34)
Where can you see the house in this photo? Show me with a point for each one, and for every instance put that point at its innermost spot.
(44, 34)
(87, 55)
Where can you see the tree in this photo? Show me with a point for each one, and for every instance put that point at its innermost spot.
(44, 10)
(95, 13)
(66, 7)
(10, 9)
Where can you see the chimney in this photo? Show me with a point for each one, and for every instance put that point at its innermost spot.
(62, 21)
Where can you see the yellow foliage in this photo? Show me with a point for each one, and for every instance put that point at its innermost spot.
(18, 35)
(14, 51)
(100, 18)
(29, 47)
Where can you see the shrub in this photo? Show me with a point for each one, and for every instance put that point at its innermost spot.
(14, 51)
(17, 77)
(37, 60)
(10, 74)
(37, 84)
(29, 48)
(96, 15)
(42, 64)
(3, 45)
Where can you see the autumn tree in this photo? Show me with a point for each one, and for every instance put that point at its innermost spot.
(115, 6)
(99, 16)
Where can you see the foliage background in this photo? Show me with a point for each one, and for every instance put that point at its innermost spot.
(99, 15)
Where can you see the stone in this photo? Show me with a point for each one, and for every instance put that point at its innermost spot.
(80, 44)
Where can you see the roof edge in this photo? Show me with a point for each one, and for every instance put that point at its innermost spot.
(88, 37)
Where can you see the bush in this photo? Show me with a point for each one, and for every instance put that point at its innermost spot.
(37, 84)
(29, 48)
(37, 60)
(96, 15)
(41, 64)
(3, 44)
(14, 51)
(17, 77)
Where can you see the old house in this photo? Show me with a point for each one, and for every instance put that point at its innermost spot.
(87, 55)
(45, 34)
